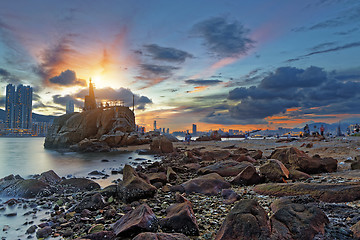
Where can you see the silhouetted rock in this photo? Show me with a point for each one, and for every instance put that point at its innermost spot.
(141, 219)
(248, 176)
(340, 192)
(225, 168)
(161, 236)
(299, 160)
(180, 218)
(133, 188)
(210, 184)
(274, 171)
(246, 220)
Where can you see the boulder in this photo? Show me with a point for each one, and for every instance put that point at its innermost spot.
(133, 187)
(170, 174)
(299, 160)
(248, 176)
(103, 235)
(44, 232)
(216, 155)
(298, 175)
(141, 219)
(49, 177)
(230, 196)
(326, 192)
(90, 202)
(90, 145)
(11, 186)
(161, 144)
(274, 171)
(297, 221)
(157, 177)
(225, 168)
(180, 218)
(256, 154)
(246, 220)
(79, 184)
(356, 230)
(247, 158)
(161, 236)
(210, 184)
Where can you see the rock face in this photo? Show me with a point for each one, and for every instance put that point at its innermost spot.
(299, 160)
(246, 220)
(210, 184)
(225, 168)
(180, 218)
(133, 187)
(341, 192)
(141, 219)
(297, 221)
(102, 129)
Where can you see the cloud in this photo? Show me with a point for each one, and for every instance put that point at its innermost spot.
(67, 78)
(153, 74)
(121, 94)
(339, 48)
(202, 82)
(7, 77)
(310, 91)
(222, 38)
(63, 100)
(167, 54)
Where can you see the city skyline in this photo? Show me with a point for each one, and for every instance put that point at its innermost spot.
(230, 64)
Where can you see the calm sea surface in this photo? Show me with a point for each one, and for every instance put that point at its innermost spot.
(27, 156)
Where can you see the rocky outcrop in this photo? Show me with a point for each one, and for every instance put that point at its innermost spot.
(141, 219)
(339, 192)
(246, 220)
(12, 186)
(299, 160)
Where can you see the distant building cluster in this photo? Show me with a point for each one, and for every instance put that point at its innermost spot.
(163, 130)
(18, 107)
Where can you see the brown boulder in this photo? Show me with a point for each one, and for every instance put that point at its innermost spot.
(141, 219)
(298, 175)
(92, 202)
(216, 155)
(133, 187)
(170, 174)
(161, 236)
(157, 177)
(299, 160)
(274, 171)
(230, 196)
(248, 176)
(297, 221)
(329, 192)
(79, 184)
(161, 144)
(49, 177)
(256, 154)
(225, 168)
(356, 230)
(246, 220)
(210, 184)
(180, 218)
(247, 158)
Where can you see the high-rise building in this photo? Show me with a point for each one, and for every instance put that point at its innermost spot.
(18, 107)
(194, 129)
(70, 106)
(155, 125)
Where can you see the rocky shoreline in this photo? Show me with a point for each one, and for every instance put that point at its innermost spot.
(255, 189)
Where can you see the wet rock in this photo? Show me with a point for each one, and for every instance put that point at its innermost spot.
(340, 192)
(79, 184)
(10, 214)
(44, 232)
(29, 188)
(248, 176)
(133, 188)
(157, 177)
(93, 202)
(256, 154)
(103, 235)
(356, 230)
(246, 220)
(245, 158)
(141, 219)
(230, 196)
(49, 177)
(299, 160)
(95, 173)
(225, 168)
(161, 144)
(216, 155)
(160, 236)
(170, 174)
(274, 171)
(297, 221)
(210, 184)
(180, 218)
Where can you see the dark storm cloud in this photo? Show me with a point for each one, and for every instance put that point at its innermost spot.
(63, 100)
(53, 57)
(311, 91)
(67, 78)
(167, 54)
(153, 74)
(7, 77)
(202, 82)
(222, 38)
(121, 94)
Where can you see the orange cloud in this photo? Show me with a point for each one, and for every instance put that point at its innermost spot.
(198, 89)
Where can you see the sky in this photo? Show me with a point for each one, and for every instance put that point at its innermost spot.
(244, 65)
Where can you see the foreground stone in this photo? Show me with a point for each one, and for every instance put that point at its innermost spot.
(141, 219)
(133, 187)
(248, 176)
(210, 184)
(274, 171)
(160, 236)
(92, 202)
(342, 192)
(299, 160)
(79, 184)
(180, 218)
(12, 186)
(246, 220)
(225, 168)
(297, 221)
